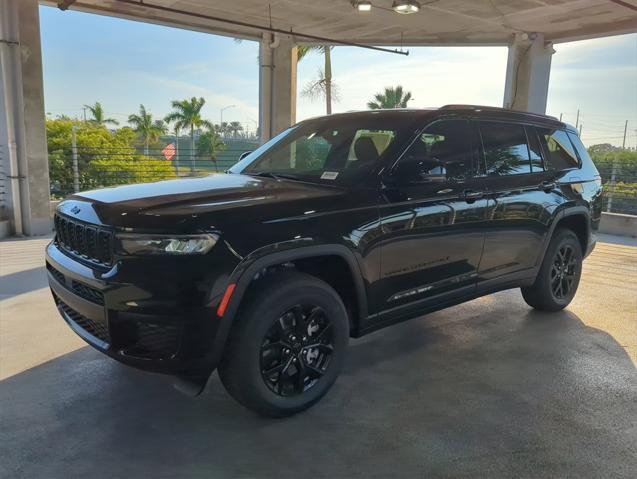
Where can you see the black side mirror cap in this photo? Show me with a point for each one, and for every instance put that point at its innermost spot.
(244, 154)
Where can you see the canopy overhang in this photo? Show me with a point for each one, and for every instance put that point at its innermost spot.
(439, 22)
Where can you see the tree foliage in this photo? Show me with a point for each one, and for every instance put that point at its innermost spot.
(98, 114)
(209, 145)
(186, 115)
(149, 130)
(392, 97)
(104, 158)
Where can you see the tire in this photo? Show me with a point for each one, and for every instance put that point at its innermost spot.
(559, 275)
(292, 312)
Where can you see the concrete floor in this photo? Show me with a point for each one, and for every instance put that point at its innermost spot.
(485, 389)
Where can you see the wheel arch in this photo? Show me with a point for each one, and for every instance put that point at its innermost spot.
(249, 269)
(575, 218)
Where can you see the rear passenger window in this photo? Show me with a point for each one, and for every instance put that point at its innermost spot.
(561, 154)
(505, 149)
(581, 149)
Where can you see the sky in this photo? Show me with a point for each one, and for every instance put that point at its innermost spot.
(122, 64)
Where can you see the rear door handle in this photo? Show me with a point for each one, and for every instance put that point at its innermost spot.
(548, 185)
(471, 195)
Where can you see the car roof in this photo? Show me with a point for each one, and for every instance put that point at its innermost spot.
(475, 111)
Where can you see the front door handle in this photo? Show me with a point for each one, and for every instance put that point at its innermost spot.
(548, 185)
(471, 195)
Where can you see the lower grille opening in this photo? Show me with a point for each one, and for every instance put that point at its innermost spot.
(94, 328)
(88, 293)
(56, 274)
(152, 340)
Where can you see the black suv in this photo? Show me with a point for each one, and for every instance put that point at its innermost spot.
(339, 226)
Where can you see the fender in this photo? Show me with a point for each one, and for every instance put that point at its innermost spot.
(272, 255)
(560, 215)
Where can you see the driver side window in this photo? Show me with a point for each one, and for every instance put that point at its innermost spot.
(441, 153)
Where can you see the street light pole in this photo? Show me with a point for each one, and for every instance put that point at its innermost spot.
(221, 114)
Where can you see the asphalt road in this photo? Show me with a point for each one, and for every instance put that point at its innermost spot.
(490, 388)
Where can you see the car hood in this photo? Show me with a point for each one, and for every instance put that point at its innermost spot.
(187, 197)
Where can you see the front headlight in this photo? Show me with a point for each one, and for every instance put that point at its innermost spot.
(157, 244)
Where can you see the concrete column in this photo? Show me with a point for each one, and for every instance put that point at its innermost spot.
(527, 73)
(277, 84)
(23, 147)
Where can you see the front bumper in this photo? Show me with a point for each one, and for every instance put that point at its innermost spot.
(152, 325)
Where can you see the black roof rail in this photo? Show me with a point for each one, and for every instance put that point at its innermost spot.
(492, 108)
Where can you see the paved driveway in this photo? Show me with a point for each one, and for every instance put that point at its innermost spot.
(485, 389)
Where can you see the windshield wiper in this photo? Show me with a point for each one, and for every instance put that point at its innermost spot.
(276, 176)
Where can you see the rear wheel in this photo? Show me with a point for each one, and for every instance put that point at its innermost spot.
(288, 345)
(559, 275)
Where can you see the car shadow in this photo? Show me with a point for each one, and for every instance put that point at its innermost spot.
(486, 388)
(21, 282)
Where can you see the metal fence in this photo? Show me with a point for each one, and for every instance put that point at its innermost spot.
(619, 177)
(99, 167)
(102, 167)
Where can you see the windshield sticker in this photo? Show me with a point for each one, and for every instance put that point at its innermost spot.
(329, 175)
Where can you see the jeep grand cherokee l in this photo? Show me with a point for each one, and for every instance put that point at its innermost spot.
(337, 227)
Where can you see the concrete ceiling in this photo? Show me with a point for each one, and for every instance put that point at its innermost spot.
(440, 22)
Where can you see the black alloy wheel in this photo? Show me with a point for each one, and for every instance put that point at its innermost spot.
(288, 344)
(559, 275)
(296, 350)
(563, 271)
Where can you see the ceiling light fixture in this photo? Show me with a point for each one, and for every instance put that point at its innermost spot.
(362, 5)
(405, 7)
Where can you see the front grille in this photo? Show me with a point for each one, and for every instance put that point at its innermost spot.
(87, 241)
(90, 294)
(99, 330)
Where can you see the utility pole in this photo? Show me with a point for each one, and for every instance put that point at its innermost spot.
(611, 185)
(580, 129)
(625, 130)
(560, 116)
(76, 171)
(577, 119)
(84, 110)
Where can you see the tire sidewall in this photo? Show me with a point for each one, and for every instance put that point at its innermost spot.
(564, 238)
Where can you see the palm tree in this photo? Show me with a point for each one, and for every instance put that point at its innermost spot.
(390, 98)
(186, 114)
(147, 129)
(223, 129)
(319, 88)
(235, 127)
(323, 86)
(98, 115)
(209, 144)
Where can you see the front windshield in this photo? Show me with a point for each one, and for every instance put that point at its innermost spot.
(332, 149)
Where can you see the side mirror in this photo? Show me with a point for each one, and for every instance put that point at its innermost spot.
(244, 154)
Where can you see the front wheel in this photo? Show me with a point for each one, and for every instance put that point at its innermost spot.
(559, 275)
(288, 345)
